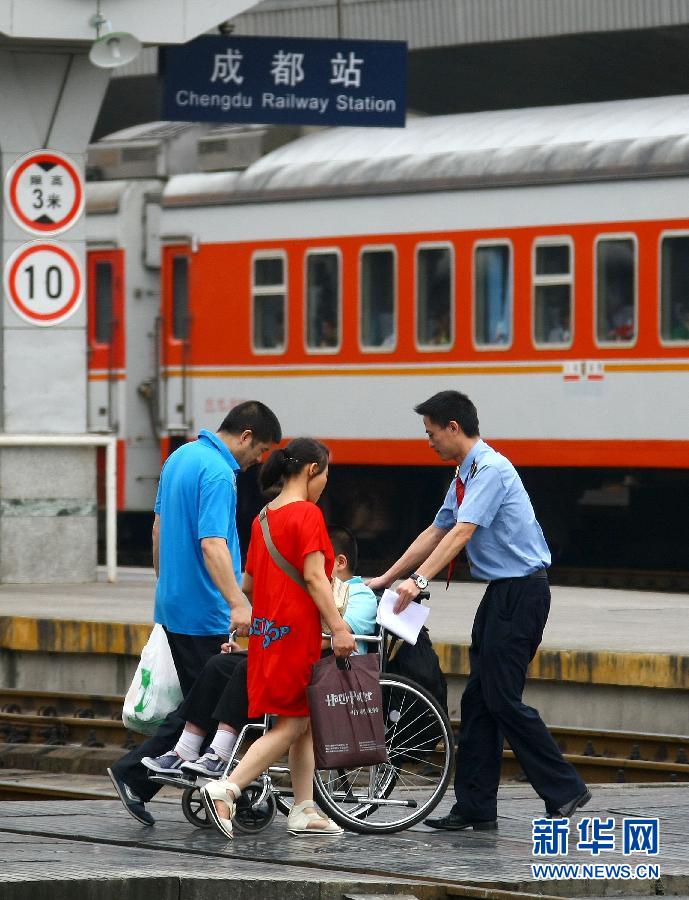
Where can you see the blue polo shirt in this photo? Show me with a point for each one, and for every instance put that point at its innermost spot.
(508, 541)
(197, 498)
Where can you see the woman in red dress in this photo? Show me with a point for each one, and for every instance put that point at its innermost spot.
(285, 635)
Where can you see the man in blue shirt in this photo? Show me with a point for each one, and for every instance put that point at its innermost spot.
(197, 560)
(488, 511)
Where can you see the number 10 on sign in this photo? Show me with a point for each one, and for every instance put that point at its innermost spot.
(43, 282)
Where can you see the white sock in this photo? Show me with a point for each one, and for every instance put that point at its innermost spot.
(222, 743)
(189, 745)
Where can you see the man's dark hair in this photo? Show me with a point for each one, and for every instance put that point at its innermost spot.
(344, 542)
(253, 416)
(451, 406)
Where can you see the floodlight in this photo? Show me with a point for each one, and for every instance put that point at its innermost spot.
(112, 48)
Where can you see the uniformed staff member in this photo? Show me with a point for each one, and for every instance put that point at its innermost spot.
(488, 510)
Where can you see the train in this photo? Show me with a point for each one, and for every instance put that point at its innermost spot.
(536, 259)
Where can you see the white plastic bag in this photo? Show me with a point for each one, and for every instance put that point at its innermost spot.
(155, 690)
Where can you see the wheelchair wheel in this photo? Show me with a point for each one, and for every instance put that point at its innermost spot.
(193, 808)
(391, 796)
(256, 809)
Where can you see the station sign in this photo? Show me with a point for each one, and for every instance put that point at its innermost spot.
(44, 192)
(283, 81)
(43, 282)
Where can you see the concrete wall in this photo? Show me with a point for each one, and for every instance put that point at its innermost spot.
(592, 706)
(77, 673)
(47, 514)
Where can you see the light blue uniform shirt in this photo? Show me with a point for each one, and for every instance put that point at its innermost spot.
(197, 498)
(362, 607)
(508, 541)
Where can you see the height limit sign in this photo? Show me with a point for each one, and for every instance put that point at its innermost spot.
(44, 192)
(44, 283)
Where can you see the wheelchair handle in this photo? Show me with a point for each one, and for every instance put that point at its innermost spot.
(368, 638)
(422, 595)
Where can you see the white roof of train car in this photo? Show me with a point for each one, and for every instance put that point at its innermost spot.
(583, 142)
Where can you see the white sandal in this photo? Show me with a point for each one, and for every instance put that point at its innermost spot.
(227, 792)
(301, 822)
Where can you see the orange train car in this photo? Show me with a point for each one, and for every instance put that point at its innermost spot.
(537, 259)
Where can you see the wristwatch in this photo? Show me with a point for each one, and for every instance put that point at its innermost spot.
(419, 581)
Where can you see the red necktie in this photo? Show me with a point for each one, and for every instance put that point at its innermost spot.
(459, 491)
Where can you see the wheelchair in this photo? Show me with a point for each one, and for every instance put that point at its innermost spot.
(378, 799)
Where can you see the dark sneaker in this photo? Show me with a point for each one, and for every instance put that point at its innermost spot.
(131, 802)
(167, 764)
(210, 765)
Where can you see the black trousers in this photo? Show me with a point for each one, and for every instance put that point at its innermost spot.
(190, 653)
(219, 694)
(507, 630)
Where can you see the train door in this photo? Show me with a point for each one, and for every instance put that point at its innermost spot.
(106, 359)
(174, 342)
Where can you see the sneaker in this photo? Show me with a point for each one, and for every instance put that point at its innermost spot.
(167, 764)
(210, 765)
(131, 801)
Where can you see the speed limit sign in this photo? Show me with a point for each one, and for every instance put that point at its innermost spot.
(44, 192)
(43, 282)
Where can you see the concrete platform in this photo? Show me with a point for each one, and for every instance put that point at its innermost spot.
(581, 619)
(612, 659)
(93, 849)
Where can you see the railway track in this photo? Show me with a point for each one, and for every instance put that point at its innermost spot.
(49, 719)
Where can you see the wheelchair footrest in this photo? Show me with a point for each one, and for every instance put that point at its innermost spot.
(173, 781)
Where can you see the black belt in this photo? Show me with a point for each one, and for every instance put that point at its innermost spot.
(539, 573)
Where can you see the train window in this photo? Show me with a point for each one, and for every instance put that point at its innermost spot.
(434, 319)
(674, 288)
(180, 298)
(323, 300)
(378, 325)
(615, 290)
(492, 295)
(104, 302)
(552, 285)
(269, 294)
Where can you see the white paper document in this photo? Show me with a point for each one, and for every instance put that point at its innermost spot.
(406, 624)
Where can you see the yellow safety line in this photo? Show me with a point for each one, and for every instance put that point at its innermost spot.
(653, 670)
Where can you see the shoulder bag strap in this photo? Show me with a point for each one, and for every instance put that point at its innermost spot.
(279, 560)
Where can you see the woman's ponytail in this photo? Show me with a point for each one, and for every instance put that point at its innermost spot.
(288, 461)
(273, 469)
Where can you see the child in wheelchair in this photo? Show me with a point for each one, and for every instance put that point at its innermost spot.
(219, 698)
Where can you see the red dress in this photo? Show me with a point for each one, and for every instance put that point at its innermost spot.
(285, 636)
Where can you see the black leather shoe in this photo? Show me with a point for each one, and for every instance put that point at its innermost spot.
(565, 811)
(455, 822)
(133, 804)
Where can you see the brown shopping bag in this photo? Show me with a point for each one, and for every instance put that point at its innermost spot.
(346, 709)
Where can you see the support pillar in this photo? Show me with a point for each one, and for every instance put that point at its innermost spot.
(49, 99)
